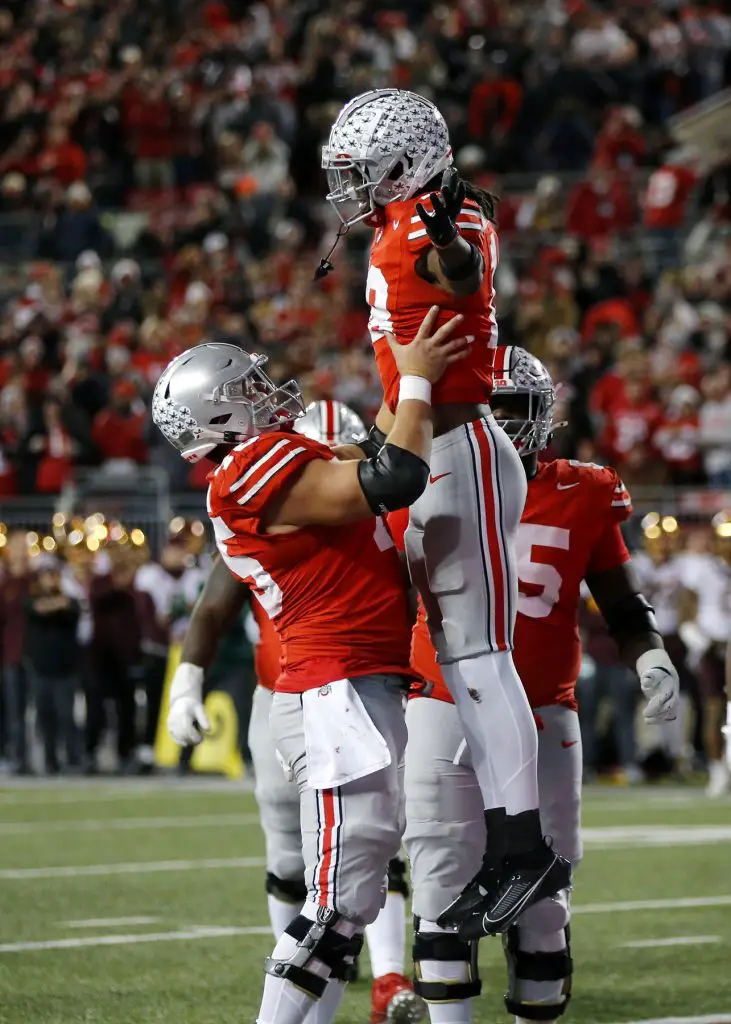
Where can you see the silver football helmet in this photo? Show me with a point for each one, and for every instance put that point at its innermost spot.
(331, 423)
(384, 146)
(216, 393)
(518, 373)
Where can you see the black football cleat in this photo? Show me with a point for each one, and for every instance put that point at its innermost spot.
(472, 900)
(522, 882)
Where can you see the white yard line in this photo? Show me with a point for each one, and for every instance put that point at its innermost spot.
(22, 828)
(189, 935)
(131, 868)
(682, 903)
(71, 791)
(625, 837)
(715, 1018)
(677, 940)
(109, 922)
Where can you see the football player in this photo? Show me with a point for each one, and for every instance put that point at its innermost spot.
(221, 601)
(297, 525)
(569, 532)
(389, 164)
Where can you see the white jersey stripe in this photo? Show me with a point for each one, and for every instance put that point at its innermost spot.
(270, 473)
(417, 234)
(468, 225)
(259, 464)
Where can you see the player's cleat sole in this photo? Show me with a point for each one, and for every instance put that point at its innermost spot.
(393, 1001)
(519, 888)
(471, 900)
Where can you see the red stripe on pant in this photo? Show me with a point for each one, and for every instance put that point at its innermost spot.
(329, 422)
(328, 846)
(494, 547)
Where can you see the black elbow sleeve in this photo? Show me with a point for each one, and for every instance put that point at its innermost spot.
(629, 618)
(372, 442)
(393, 479)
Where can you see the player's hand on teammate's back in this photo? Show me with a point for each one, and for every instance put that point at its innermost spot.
(441, 223)
(431, 352)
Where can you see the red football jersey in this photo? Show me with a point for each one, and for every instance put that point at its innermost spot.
(569, 529)
(334, 594)
(267, 654)
(400, 299)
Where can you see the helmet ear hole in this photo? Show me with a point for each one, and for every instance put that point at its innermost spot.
(220, 420)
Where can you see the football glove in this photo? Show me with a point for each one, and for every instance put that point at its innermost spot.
(441, 224)
(187, 718)
(659, 682)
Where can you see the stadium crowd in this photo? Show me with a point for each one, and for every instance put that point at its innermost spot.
(160, 184)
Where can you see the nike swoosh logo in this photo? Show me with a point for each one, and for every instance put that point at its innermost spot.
(433, 479)
(565, 487)
(568, 743)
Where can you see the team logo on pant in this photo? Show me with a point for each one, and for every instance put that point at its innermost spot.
(474, 695)
(324, 690)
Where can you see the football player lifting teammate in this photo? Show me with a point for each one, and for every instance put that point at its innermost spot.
(297, 525)
(570, 530)
(221, 600)
(389, 164)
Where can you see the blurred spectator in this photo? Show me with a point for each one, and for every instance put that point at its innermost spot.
(14, 589)
(115, 650)
(677, 436)
(52, 655)
(715, 427)
(78, 227)
(61, 158)
(599, 207)
(119, 431)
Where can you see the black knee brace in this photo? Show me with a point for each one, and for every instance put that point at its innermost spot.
(288, 890)
(315, 940)
(522, 966)
(447, 948)
(397, 877)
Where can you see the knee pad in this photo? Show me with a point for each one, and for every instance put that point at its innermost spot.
(316, 940)
(397, 877)
(288, 890)
(539, 984)
(447, 948)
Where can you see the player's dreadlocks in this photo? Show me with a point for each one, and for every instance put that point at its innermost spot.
(484, 199)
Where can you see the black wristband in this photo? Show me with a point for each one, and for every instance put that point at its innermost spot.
(372, 442)
(463, 270)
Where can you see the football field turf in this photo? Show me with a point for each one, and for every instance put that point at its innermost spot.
(143, 903)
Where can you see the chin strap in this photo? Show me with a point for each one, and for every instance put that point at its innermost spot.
(325, 266)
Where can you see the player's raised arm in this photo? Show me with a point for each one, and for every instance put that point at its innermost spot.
(219, 603)
(333, 492)
(631, 622)
(454, 263)
(727, 727)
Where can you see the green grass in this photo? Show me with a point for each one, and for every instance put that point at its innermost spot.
(217, 980)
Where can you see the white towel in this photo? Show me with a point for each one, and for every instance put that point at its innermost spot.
(341, 742)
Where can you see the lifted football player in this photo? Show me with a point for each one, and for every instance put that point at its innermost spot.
(389, 163)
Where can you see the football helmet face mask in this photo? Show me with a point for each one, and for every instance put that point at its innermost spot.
(526, 392)
(331, 423)
(384, 147)
(218, 394)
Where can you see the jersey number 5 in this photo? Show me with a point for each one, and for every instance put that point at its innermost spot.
(530, 536)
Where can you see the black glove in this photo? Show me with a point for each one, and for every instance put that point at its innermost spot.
(441, 225)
